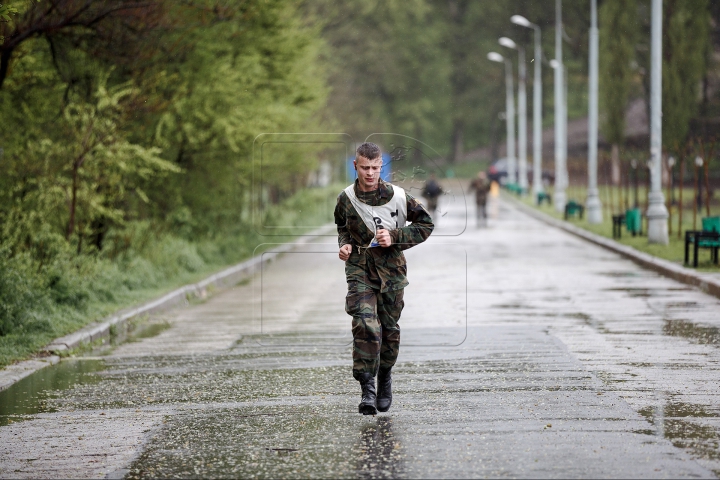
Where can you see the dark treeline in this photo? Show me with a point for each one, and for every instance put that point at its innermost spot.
(419, 67)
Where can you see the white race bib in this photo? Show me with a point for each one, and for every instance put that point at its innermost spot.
(390, 216)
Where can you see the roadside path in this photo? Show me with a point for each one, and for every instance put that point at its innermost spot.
(527, 352)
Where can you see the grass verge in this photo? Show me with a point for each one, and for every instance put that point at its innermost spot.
(674, 251)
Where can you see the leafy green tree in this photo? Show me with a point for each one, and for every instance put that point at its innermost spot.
(5, 12)
(244, 69)
(108, 29)
(618, 34)
(685, 43)
(102, 166)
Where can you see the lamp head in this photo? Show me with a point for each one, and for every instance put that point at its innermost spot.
(699, 161)
(671, 162)
(495, 57)
(520, 20)
(554, 63)
(506, 42)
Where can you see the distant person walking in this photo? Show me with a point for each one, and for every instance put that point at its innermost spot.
(481, 185)
(370, 216)
(432, 192)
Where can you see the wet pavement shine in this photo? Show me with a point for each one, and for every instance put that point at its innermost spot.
(526, 353)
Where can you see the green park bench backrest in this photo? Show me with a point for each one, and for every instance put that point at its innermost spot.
(711, 224)
(573, 205)
(633, 219)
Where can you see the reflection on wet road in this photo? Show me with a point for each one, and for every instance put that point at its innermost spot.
(379, 451)
(534, 355)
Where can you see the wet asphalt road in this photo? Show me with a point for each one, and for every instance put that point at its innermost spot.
(526, 352)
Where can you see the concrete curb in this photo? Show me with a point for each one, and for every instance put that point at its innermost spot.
(95, 331)
(659, 265)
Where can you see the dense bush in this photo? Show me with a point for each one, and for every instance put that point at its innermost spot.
(23, 301)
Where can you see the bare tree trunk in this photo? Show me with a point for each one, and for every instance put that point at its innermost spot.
(4, 65)
(615, 164)
(619, 189)
(681, 183)
(706, 167)
(73, 203)
(80, 239)
(668, 199)
(695, 196)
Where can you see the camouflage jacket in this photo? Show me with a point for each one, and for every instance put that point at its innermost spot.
(379, 267)
(481, 187)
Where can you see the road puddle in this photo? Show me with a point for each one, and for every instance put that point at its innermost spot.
(701, 440)
(287, 441)
(674, 421)
(682, 305)
(47, 389)
(148, 331)
(633, 292)
(692, 331)
(513, 306)
(34, 394)
(625, 274)
(379, 451)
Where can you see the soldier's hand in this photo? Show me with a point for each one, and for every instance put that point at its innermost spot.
(345, 252)
(383, 237)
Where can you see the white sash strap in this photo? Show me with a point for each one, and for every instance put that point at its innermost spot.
(391, 216)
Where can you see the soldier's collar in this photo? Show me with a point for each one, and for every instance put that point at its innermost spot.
(383, 190)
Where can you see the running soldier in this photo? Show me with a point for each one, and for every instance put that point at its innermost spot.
(431, 191)
(481, 185)
(370, 216)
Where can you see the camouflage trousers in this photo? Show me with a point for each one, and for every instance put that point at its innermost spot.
(376, 333)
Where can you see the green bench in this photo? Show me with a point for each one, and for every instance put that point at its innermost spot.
(515, 188)
(633, 221)
(708, 237)
(544, 197)
(574, 208)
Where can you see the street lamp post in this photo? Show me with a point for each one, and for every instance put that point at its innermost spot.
(560, 116)
(593, 205)
(522, 112)
(537, 186)
(509, 113)
(657, 213)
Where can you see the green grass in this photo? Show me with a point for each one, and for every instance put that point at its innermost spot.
(674, 251)
(38, 305)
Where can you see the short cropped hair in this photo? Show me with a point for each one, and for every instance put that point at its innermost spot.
(368, 150)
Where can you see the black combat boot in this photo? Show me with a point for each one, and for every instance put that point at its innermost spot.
(384, 395)
(367, 404)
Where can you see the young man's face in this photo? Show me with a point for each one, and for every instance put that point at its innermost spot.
(368, 173)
